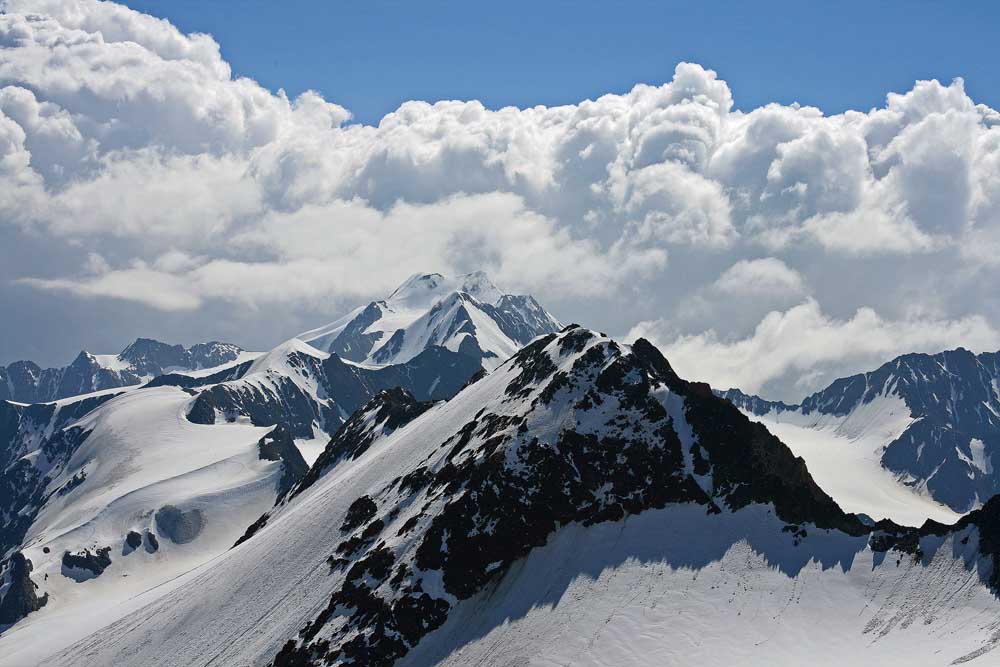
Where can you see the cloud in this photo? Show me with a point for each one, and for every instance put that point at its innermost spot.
(302, 258)
(764, 276)
(124, 138)
(810, 348)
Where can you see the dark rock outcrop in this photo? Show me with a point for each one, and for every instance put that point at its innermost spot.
(133, 540)
(278, 445)
(95, 563)
(20, 594)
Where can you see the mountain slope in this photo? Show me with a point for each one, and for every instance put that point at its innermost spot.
(26, 382)
(580, 500)
(468, 315)
(931, 421)
(113, 492)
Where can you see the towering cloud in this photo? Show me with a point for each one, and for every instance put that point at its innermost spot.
(177, 186)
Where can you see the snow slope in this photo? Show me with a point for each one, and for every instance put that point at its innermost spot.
(844, 455)
(950, 446)
(142, 455)
(676, 553)
(677, 587)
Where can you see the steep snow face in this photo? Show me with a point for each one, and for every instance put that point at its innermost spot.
(144, 359)
(946, 450)
(467, 314)
(581, 502)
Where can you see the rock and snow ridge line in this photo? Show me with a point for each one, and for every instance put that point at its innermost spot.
(938, 431)
(574, 429)
(142, 360)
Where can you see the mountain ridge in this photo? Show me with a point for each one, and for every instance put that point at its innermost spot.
(418, 514)
(143, 359)
(949, 447)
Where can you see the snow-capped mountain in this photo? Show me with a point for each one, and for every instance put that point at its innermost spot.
(26, 382)
(580, 504)
(467, 314)
(131, 485)
(920, 424)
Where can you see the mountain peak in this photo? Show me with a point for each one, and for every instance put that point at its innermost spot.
(477, 284)
(466, 314)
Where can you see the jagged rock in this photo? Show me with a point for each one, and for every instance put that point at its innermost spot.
(951, 445)
(94, 563)
(26, 382)
(133, 540)
(19, 593)
(499, 490)
(278, 445)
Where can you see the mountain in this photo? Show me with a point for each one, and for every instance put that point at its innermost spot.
(580, 504)
(930, 424)
(467, 314)
(26, 382)
(130, 486)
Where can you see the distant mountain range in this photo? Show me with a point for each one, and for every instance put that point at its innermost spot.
(27, 382)
(935, 419)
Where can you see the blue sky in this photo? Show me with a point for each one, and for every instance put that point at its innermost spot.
(370, 56)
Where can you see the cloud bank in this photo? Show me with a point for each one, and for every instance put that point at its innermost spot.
(184, 189)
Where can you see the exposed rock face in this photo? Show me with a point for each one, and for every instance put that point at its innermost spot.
(133, 540)
(84, 561)
(630, 436)
(177, 525)
(278, 445)
(387, 411)
(26, 382)
(25, 429)
(18, 593)
(953, 443)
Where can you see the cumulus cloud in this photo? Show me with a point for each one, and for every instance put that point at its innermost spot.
(768, 275)
(810, 345)
(121, 135)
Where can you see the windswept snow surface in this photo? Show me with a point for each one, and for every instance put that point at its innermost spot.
(670, 586)
(142, 455)
(678, 587)
(844, 453)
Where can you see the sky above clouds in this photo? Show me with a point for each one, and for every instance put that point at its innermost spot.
(147, 190)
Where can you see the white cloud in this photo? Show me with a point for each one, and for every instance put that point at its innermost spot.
(802, 349)
(122, 136)
(764, 276)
